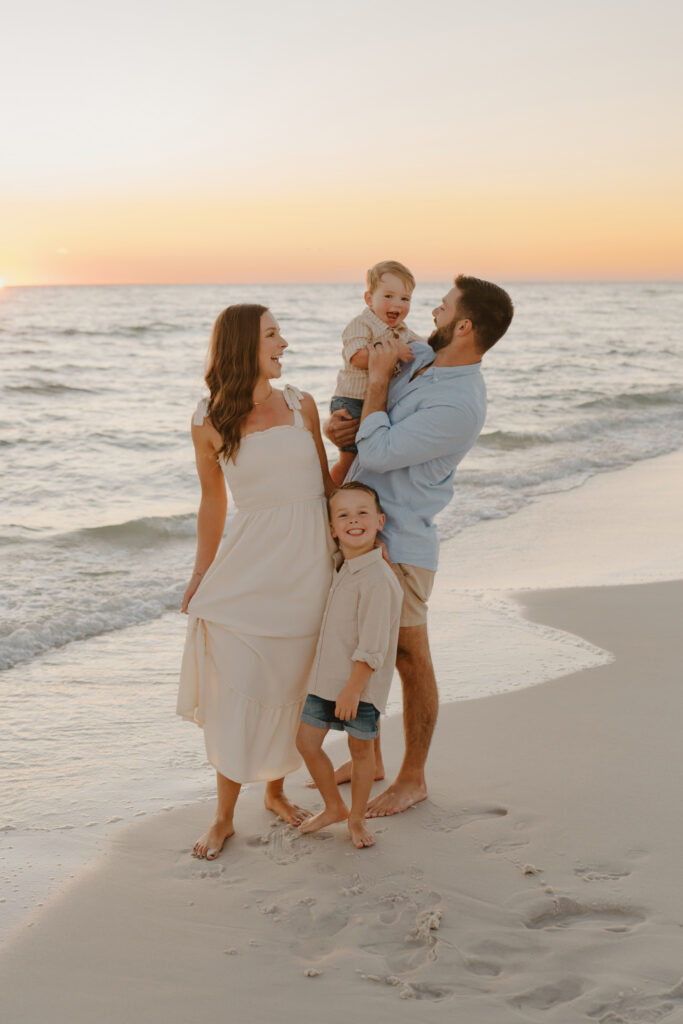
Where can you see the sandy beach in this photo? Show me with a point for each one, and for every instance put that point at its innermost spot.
(540, 881)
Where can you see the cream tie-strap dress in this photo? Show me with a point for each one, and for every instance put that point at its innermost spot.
(255, 617)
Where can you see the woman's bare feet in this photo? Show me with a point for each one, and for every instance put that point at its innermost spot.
(360, 836)
(343, 774)
(210, 844)
(285, 809)
(328, 816)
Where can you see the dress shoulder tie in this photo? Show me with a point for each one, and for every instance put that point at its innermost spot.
(293, 398)
(200, 412)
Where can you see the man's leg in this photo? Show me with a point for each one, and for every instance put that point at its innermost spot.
(420, 710)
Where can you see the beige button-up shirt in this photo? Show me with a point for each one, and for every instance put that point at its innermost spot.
(359, 333)
(360, 623)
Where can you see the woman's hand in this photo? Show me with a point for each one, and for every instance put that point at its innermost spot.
(385, 551)
(190, 590)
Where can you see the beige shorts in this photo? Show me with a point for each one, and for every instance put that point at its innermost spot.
(417, 585)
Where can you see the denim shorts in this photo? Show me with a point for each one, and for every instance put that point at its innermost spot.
(320, 712)
(352, 405)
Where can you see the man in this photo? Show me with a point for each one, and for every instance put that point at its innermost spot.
(414, 430)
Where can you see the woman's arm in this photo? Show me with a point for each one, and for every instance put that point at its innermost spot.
(212, 507)
(310, 416)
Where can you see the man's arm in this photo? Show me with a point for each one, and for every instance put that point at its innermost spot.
(382, 358)
(428, 434)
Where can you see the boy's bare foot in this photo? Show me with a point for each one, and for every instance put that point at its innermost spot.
(398, 797)
(285, 809)
(210, 844)
(360, 836)
(328, 816)
(343, 774)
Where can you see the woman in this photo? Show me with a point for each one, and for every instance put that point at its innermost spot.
(255, 608)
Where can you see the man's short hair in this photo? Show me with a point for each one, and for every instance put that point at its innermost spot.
(355, 485)
(373, 278)
(487, 305)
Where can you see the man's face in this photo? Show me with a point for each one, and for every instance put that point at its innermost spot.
(445, 318)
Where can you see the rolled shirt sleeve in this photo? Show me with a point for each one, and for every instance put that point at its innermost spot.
(374, 625)
(356, 336)
(426, 434)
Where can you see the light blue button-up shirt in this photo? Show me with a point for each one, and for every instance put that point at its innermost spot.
(410, 452)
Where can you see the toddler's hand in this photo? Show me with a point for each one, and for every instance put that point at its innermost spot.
(405, 352)
(346, 707)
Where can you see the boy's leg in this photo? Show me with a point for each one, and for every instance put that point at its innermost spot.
(343, 772)
(309, 743)
(341, 467)
(362, 777)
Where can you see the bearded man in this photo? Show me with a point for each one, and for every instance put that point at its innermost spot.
(414, 431)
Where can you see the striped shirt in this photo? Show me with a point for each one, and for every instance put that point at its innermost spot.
(362, 331)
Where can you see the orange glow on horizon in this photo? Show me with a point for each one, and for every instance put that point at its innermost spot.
(532, 235)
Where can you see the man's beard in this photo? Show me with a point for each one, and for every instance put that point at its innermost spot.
(442, 336)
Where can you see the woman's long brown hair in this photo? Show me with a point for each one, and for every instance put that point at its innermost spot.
(233, 371)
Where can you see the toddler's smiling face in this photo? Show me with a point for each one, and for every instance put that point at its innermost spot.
(390, 301)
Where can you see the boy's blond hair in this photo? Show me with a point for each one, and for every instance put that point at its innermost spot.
(374, 275)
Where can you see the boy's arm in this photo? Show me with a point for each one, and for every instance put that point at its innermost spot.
(374, 628)
(346, 707)
(360, 359)
(355, 339)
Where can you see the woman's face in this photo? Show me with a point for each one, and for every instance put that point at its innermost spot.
(271, 347)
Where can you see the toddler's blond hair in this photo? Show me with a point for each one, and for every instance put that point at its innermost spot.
(374, 275)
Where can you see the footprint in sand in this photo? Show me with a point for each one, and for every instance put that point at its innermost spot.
(285, 845)
(442, 820)
(565, 913)
(601, 873)
(504, 845)
(636, 1007)
(546, 997)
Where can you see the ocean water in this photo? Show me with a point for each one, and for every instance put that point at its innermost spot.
(99, 494)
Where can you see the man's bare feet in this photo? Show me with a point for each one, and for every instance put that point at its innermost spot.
(360, 836)
(342, 774)
(210, 844)
(328, 816)
(398, 797)
(285, 809)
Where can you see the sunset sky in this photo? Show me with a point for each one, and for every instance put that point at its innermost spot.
(211, 141)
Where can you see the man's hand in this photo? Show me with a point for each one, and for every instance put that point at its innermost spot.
(346, 707)
(383, 356)
(341, 428)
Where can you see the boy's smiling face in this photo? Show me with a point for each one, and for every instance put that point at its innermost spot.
(355, 521)
(390, 301)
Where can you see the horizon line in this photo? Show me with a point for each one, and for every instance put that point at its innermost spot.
(268, 284)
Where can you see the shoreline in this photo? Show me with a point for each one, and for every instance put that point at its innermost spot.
(621, 532)
(545, 880)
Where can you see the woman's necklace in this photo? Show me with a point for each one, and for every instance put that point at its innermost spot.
(265, 399)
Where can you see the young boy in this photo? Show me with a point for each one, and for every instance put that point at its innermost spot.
(389, 289)
(354, 660)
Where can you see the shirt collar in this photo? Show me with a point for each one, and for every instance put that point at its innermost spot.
(378, 325)
(360, 562)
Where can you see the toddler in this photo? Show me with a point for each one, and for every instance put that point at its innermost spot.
(389, 289)
(354, 660)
